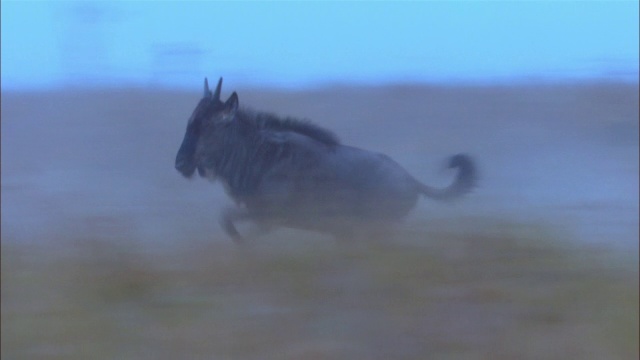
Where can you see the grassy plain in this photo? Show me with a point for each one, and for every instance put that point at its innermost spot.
(108, 253)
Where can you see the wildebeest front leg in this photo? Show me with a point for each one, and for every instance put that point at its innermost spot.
(230, 215)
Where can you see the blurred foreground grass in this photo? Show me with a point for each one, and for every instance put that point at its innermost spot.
(501, 291)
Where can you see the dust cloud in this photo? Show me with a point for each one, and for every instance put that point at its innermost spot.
(566, 155)
(96, 219)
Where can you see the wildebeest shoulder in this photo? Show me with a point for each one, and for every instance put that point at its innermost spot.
(272, 122)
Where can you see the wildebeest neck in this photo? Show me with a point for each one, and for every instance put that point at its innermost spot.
(302, 127)
(255, 142)
(241, 154)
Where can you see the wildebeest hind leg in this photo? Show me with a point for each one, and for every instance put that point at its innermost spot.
(230, 215)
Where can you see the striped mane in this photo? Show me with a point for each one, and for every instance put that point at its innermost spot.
(304, 127)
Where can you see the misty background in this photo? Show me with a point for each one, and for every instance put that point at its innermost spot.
(302, 44)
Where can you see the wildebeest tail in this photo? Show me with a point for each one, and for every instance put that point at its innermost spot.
(464, 182)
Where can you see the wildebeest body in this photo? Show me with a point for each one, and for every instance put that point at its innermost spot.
(292, 173)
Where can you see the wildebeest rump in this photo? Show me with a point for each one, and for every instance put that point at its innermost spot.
(292, 173)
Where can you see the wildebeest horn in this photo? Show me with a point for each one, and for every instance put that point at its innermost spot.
(207, 92)
(216, 94)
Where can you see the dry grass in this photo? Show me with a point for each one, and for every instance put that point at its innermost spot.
(455, 296)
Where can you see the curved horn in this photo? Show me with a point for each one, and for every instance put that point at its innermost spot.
(207, 91)
(216, 94)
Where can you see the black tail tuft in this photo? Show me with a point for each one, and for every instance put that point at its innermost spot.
(465, 181)
(467, 177)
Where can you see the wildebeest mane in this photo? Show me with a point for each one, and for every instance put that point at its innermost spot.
(304, 127)
(254, 143)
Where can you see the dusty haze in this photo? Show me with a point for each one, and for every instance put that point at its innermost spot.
(566, 155)
(103, 234)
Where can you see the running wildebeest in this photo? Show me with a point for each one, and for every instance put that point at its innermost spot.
(295, 174)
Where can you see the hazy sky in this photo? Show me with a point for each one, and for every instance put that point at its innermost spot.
(304, 43)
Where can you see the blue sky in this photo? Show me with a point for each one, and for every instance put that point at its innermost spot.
(144, 43)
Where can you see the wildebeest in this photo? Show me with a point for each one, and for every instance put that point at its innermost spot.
(292, 173)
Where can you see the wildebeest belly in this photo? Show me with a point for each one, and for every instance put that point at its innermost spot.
(343, 183)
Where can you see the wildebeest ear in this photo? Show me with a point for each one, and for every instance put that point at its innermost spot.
(231, 105)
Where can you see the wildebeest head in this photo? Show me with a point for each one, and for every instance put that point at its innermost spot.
(210, 113)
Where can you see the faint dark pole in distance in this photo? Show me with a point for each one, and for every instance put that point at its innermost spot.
(85, 55)
(177, 63)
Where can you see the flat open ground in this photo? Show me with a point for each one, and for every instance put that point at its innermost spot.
(108, 253)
